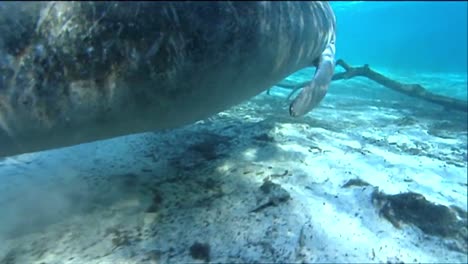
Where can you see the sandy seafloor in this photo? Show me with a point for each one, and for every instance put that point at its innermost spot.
(253, 185)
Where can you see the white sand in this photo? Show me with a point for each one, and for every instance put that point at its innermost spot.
(88, 203)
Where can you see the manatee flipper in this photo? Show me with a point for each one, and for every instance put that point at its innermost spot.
(312, 94)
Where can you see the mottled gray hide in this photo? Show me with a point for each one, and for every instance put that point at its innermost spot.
(75, 72)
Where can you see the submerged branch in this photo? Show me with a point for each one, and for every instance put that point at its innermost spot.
(414, 90)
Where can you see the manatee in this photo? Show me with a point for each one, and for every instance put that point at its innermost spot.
(77, 72)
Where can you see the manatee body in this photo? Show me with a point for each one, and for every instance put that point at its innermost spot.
(76, 72)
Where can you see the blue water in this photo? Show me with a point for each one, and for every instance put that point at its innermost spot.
(146, 198)
(406, 36)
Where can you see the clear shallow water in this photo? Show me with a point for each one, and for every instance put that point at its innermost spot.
(149, 198)
(404, 36)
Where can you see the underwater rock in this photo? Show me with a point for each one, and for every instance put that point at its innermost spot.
(432, 219)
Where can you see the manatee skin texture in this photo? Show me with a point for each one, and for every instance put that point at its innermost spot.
(76, 72)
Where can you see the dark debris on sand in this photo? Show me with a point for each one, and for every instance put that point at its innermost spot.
(200, 251)
(432, 219)
(272, 194)
(355, 182)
